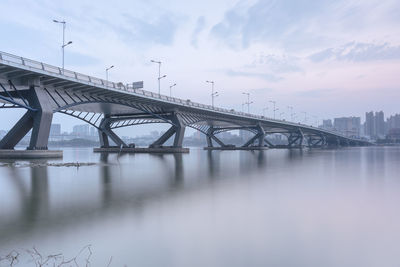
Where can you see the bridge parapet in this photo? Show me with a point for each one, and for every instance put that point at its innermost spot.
(91, 99)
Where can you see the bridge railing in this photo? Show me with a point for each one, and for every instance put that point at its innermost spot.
(36, 65)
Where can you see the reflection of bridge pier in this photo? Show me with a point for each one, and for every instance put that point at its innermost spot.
(42, 90)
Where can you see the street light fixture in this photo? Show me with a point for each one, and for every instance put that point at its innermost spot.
(159, 78)
(291, 112)
(275, 109)
(305, 116)
(107, 69)
(213, 94)
(170, 89)
(248, 101)
(264, 109)
(159, 74)
(64, 24)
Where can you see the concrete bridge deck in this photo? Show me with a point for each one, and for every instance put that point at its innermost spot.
(43, 89)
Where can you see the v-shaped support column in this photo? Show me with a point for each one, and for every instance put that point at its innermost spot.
(106, 132)
(38, 120)
(210, 137)
(260, 136)
(177, 129)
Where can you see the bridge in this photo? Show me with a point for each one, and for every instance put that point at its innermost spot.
(43, 90)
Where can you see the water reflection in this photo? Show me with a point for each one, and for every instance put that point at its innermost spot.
(49, 199)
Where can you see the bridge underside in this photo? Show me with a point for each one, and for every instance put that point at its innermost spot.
(106, 110)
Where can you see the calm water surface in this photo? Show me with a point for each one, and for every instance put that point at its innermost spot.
(224, 208)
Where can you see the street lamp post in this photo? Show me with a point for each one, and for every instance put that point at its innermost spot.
(213, 94)
(264, 109)
(316, 120)
(107, 69)
(159, 74)
(280, 115)
(159, 79)
(64, 24)
(275, 109)
(291, 112)
(305, 116)
(248, 101)
(170, 89)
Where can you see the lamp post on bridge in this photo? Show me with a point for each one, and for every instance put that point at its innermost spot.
(280, 115)
(248, 101)
(291, 112)
(170, 89)
(213, 94)
(64, 24)
(264, 109)
(159, 74)
(316, 120)
(305, 117)
(107, 69)
(275, 109)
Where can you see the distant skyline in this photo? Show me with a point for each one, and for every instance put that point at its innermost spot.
(327, 58)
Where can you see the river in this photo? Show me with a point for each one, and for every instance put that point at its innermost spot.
(333, 207)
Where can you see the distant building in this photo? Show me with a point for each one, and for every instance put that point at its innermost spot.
(380, 124)
(55, 130)
(394, 135)
(374, 126)
(81, 130)
(327, 124)
(393, 122)
(348, 126)
(369, 126)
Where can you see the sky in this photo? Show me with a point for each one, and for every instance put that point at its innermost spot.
(326, 58)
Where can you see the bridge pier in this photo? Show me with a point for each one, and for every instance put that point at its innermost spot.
(316, 141)
(105, 132)
(296, 139)
(38, 119)
(177, 129)
(259, 137)
(210, 136)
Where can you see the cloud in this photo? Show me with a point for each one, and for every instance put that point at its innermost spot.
(304, 24)
(266, 20)
(264, 76)
(160, 30)
(200, 25)
(358, 52)
(277, 63)
(318, 93)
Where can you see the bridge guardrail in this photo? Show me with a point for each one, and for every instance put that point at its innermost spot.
(32, 64)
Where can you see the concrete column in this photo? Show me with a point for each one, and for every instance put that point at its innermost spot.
(261, 135)
(179, 130)
(164, 138)
(106, 132)
(20, 129)
(104, 142)
(39, 121)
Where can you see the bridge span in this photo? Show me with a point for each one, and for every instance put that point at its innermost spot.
(42, 90)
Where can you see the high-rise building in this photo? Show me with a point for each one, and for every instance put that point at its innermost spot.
(393, 122)
(374, 126)
(369, 125)
(380, 124)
